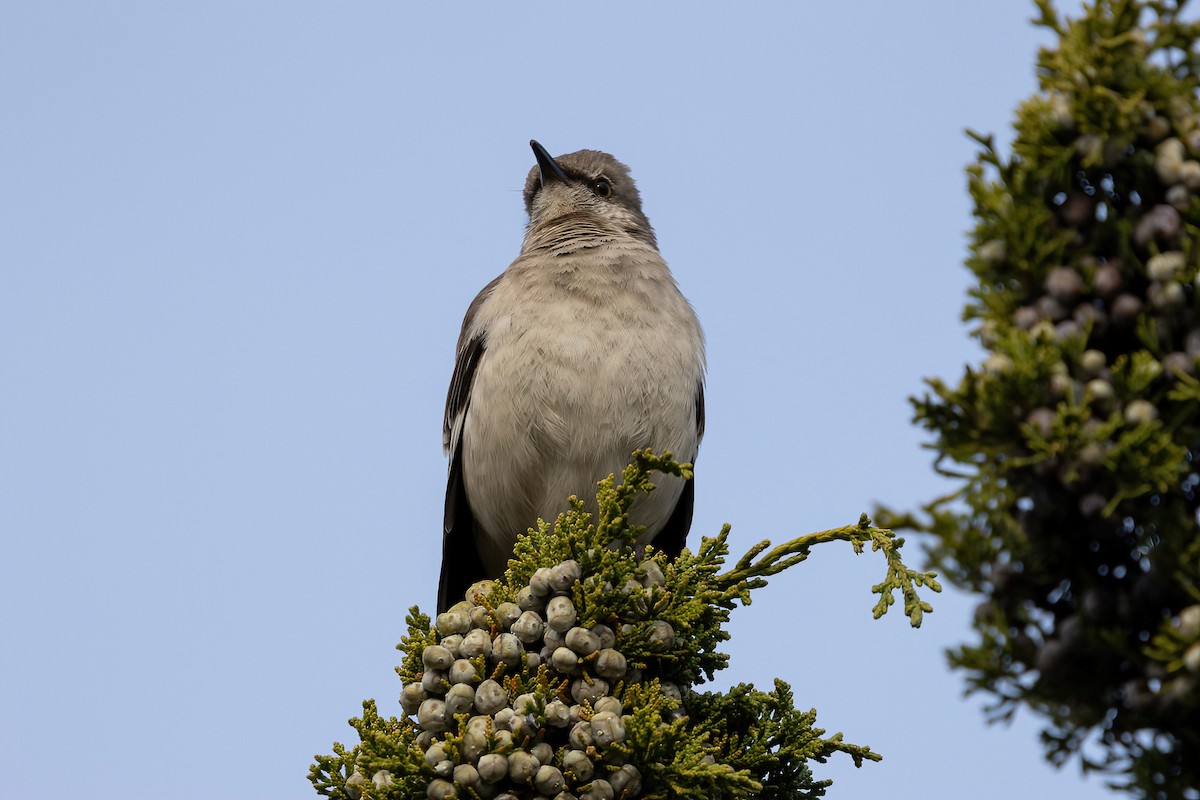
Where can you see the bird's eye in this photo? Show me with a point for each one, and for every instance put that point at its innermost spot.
(602, 188)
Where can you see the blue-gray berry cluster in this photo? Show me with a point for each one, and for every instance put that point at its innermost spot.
(484, 735)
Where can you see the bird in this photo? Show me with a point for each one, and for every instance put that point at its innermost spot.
(580, 352)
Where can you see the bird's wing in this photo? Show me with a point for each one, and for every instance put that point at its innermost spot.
(673, 535)
(461, 565)
(459, 394)
(470, 350)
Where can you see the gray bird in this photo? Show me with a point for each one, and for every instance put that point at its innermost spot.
(579, 353)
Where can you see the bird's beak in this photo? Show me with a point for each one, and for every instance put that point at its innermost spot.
(548, 168)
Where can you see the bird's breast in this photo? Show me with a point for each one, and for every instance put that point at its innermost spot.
(592, 369)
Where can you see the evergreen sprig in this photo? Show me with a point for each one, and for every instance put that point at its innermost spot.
(749, 574)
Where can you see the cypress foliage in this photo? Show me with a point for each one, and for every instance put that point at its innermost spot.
(1073, 446)
(575, 676)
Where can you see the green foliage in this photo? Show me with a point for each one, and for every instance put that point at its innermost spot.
(1073, 446)
(666, 618)
(763, 734)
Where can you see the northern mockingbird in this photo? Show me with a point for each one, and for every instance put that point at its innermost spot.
(582, 351)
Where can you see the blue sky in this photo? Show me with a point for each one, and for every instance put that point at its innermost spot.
(238, 241)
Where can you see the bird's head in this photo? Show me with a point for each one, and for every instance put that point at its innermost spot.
(587, 184)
